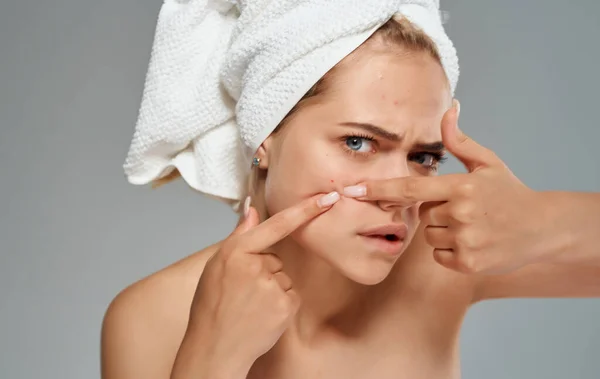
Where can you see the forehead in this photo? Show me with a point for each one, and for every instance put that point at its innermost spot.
(402, 91)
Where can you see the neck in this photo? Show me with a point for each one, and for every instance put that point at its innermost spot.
(330, 301)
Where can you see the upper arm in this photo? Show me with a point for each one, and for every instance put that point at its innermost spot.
(145, 324)
(542, 281)
(135, 342)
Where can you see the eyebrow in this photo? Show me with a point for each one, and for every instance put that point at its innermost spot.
(374, 130)
(433, 146)
(381, 132)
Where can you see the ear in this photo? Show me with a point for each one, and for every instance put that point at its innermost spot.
(263, 153)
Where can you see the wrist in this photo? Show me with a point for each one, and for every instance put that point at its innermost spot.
(200, 357)
(557, 234)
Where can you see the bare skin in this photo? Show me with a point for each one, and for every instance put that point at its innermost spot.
(407, 327)
(362, 314)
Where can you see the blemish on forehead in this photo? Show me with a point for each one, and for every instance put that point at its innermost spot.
(332, 181)
(395, 102)
(383, 97)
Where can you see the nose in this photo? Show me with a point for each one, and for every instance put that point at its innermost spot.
(391, 206)
(398, 170)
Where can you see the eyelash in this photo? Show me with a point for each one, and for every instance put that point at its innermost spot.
(437, 156)
(355, 153)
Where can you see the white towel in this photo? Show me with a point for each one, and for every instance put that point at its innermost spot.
(223, 74)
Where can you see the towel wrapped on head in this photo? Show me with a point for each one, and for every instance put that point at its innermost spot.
(223, 74)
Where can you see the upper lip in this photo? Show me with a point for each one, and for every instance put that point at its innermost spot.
(398, 230)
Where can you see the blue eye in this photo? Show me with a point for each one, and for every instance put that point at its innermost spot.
(425, 159)
(429, 160)
(356, 143)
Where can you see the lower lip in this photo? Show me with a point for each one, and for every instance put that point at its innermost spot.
(385, 246)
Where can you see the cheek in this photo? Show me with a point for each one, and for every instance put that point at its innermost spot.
(298, 176)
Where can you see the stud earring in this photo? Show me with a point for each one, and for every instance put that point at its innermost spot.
(255, 162)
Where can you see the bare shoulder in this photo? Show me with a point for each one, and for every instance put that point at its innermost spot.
(145, 323)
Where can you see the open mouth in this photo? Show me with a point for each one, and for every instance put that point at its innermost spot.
(388, 243)
(384, 237)
(387, 237)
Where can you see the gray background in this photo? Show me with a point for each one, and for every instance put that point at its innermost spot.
(73, 232)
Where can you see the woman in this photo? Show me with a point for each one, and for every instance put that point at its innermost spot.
(320, 279)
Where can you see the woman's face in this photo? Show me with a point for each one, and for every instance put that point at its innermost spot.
(378, 118)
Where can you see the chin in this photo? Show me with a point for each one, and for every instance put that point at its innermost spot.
(365, 266)
(368, 275)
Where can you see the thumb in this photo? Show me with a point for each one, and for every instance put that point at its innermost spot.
(469, 152)
(248, 220)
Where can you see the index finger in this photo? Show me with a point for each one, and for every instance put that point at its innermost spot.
(409, 190)
(282, 224)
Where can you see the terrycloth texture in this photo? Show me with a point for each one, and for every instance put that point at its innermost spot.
(223, 74)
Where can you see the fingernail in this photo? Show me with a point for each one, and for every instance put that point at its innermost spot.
(247, 206)
(355, 191)
(329, 199)
(457, 106)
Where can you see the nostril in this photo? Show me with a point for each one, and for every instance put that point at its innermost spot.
(393, 206)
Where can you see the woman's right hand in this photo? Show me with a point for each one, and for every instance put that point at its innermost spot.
(244, 301)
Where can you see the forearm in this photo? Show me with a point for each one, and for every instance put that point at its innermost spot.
(574, 228)
(567, 258)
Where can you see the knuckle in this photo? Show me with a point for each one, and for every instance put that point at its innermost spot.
(230, 246)
(233, 264)
(467, 241)
(468, 263)
(410, 188)
(277, 262)
(253, 267)
(426, 214)
(227, 258)
(227, 246)
(286, 280)
(265, 286)
(463, 140)
(431, 236)
(466, 189)
(284, 306)
(269, 259)
(464, 213)
(431, 240)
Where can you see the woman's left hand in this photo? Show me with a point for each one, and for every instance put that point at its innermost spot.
(483, 221)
